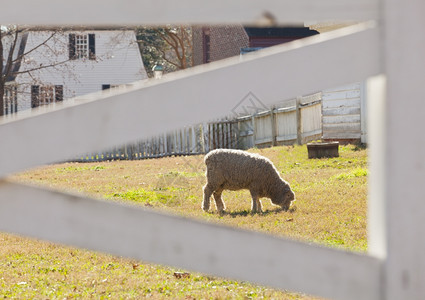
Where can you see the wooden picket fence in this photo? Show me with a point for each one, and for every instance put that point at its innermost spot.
(294, 121)
(190, 140)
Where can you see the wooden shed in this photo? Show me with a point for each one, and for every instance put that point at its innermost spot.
(344, 113)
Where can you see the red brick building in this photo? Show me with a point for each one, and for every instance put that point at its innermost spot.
(212, 43)
(217, 42)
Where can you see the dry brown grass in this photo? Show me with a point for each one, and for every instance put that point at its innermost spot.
(330, 210)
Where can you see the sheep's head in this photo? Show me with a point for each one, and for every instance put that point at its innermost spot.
(288, 197)
(285, 197)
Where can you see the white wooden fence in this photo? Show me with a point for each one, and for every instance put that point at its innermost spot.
(394, 268)
(298, 121)
(294, 121)
(189, 140)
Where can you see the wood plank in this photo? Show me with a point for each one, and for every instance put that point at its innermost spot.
(342, 119)
(311, 118)
(263, 141)
(172, 240)
(341, 95)
(286, 110)
(404, 169)
(316, 97)
(286, 124)
(377, 231)
(130, 12)
(341, 103)
(344, 127)
(298, 118)
(341, 135)
(340, 111)
(311, 133)
(287, 137)
(104, 120)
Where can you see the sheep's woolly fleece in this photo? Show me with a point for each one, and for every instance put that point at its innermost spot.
(236, 169)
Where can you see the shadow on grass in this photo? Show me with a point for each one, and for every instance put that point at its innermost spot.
(360, 146)
(247, 212)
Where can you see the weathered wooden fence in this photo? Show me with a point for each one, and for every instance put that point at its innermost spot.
(186, 141)
(296, 121)
(190, 140)
(343, 112)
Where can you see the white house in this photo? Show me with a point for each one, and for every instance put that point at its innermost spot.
(53, 65)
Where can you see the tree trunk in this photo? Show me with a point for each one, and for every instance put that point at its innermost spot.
(2, 78)
(1, 98)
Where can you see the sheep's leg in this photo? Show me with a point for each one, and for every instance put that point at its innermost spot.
(256, 204)
(219, 204)
(207, 195)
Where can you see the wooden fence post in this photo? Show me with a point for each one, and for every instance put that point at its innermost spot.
(274, 129)
(204, 138)
(298, 112)
(254, 130)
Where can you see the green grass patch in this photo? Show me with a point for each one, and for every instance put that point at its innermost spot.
(359, 172)
(330, 210)
(146, 197)
(79, 168)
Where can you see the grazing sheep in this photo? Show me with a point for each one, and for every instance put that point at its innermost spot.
(235, 170)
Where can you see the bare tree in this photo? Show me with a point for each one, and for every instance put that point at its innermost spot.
(14, 53)
(171, 45)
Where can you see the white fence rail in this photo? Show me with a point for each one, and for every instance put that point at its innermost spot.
(394, 270)
(119, 12)
(165, 239)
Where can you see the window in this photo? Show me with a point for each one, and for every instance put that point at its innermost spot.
(10, 100)
(116, 87)
(206, 45)
(45, 95)
(82, 46)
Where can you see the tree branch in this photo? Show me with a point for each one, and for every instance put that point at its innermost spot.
(164, 57)
(175, 47)
(9, 63)
(35, 48)
(41, 67)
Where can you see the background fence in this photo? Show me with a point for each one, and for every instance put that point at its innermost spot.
(294, 121)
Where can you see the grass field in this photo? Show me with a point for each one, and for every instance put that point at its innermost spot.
(330, 210)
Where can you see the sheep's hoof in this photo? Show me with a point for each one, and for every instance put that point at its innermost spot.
(221, 211)
(292, 209)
